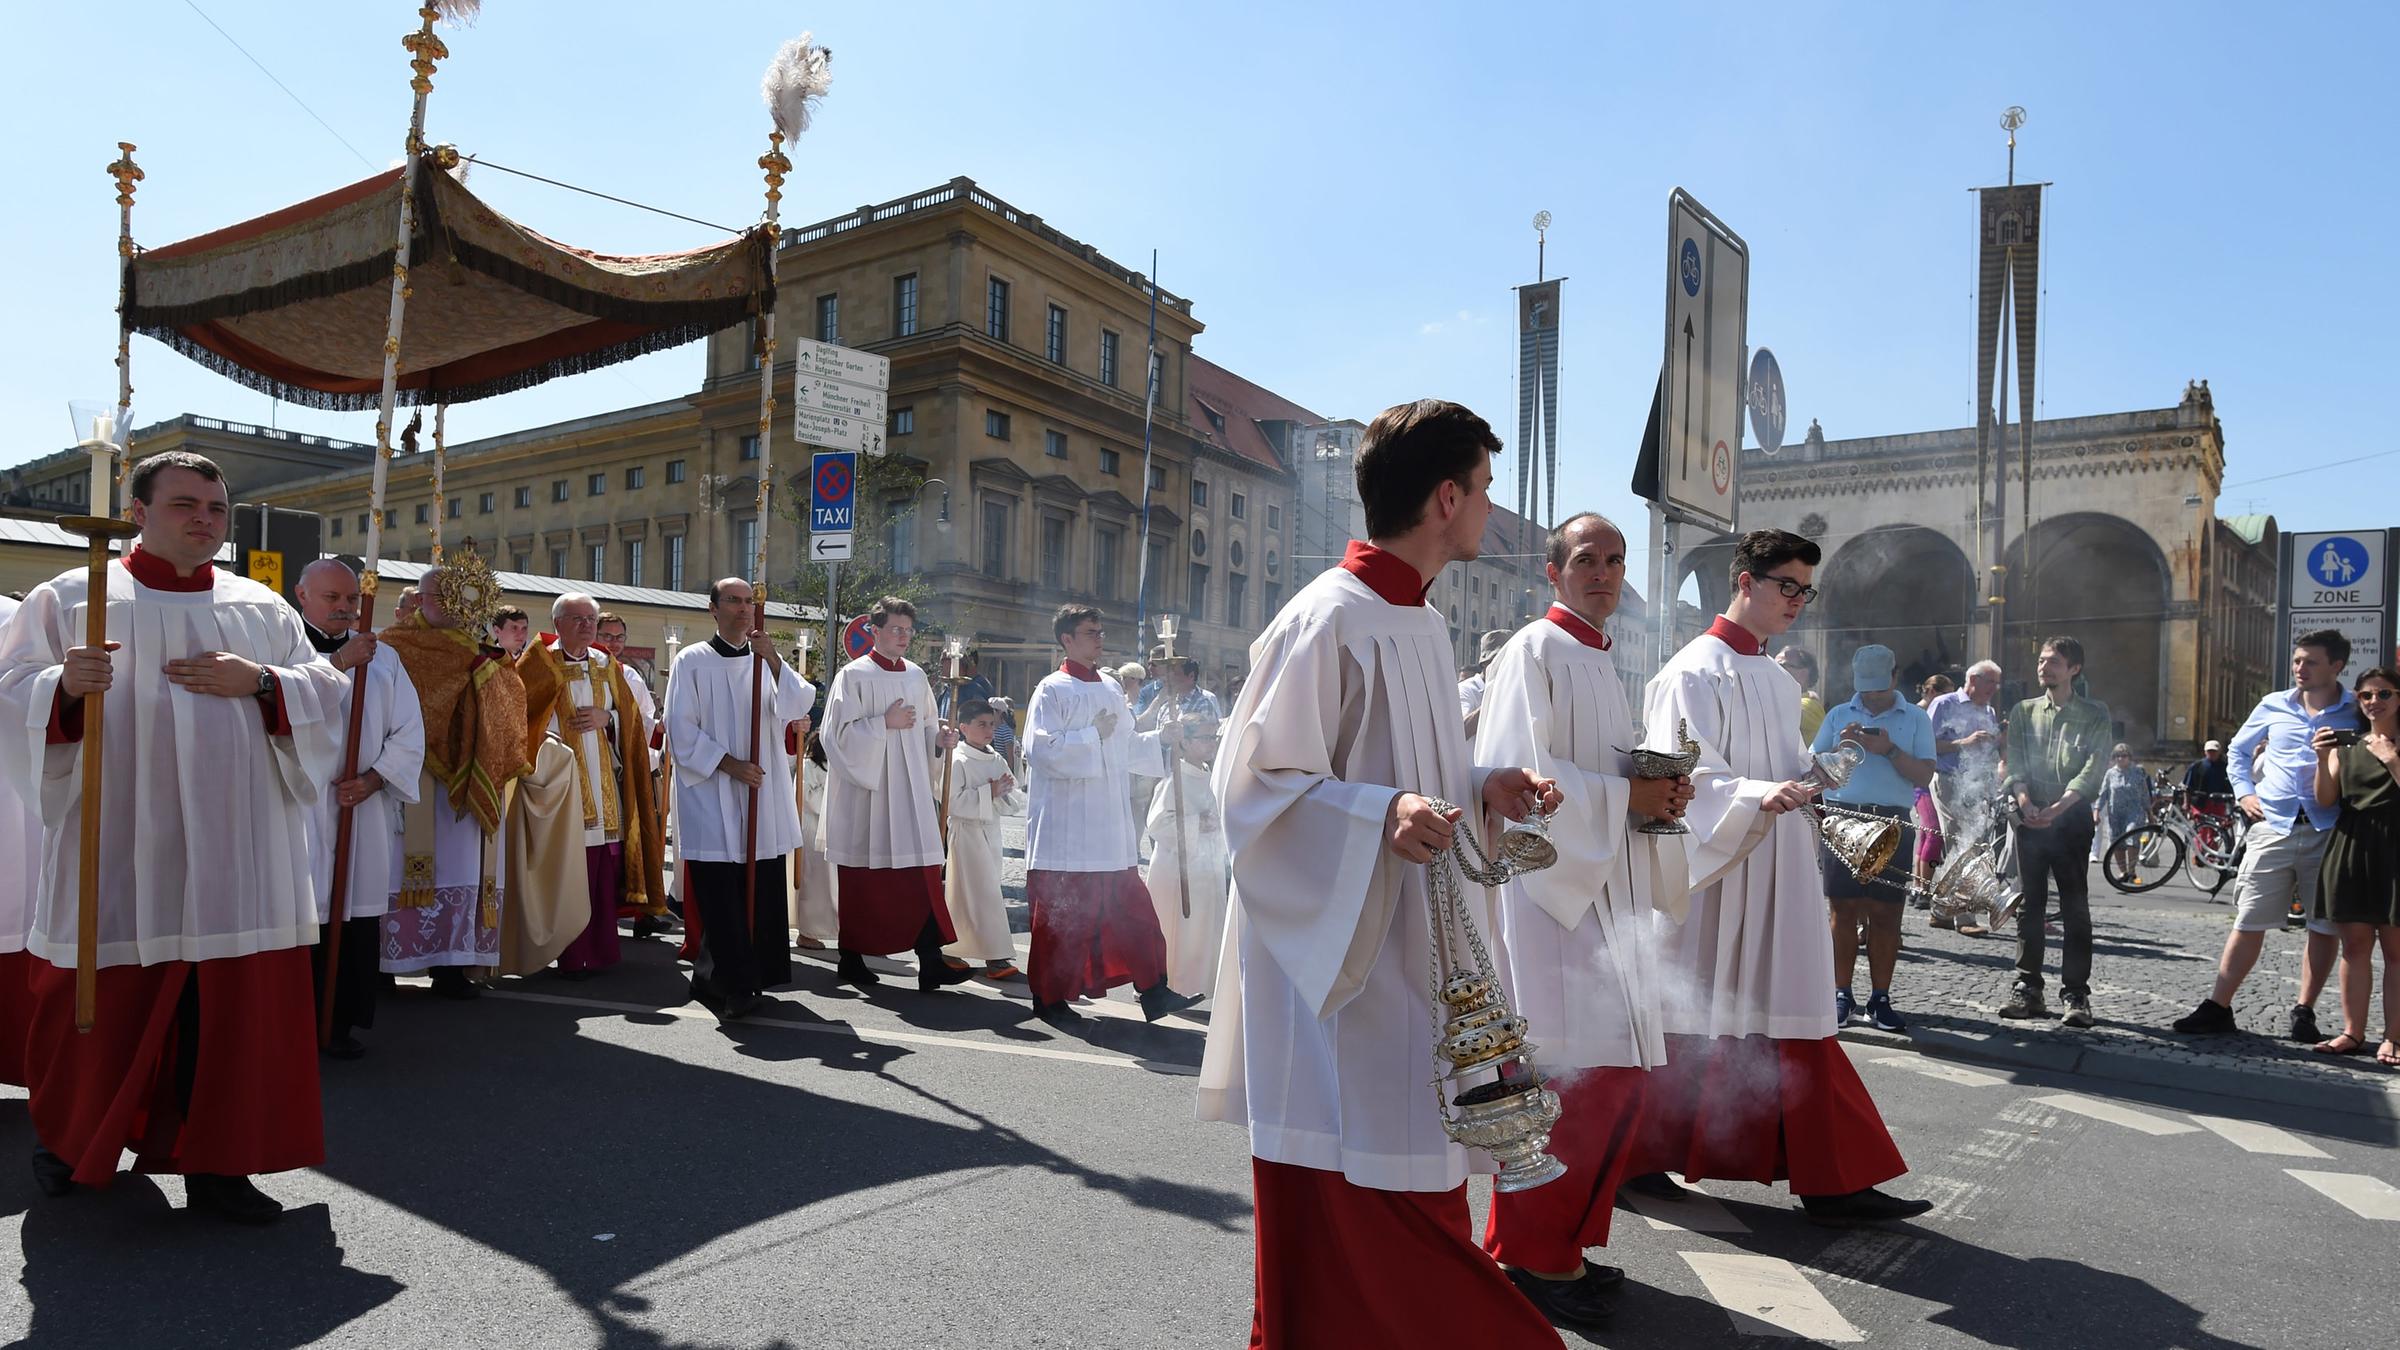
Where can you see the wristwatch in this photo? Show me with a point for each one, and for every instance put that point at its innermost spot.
(266, 683)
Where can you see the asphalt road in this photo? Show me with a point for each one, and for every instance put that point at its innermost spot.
(587, 1165)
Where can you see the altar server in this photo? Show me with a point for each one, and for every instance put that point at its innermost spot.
(982, 790)
(1186, 870)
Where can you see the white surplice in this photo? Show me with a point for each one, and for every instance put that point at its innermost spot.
(204, 841)
(708, 721)
(1577, 933)
(879, 807)
(391, 742)
(1079, 813)
(815, 895)
(20, 844)
(1193, 854)
(1755, 953)
(596, 779)
(1322, 1035)
(978, 911)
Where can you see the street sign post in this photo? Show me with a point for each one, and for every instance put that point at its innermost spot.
(2343, 580)
(839, 397)
(1700, 414)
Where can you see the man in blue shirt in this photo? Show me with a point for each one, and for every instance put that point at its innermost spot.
(1897, 737)
(2273, 771)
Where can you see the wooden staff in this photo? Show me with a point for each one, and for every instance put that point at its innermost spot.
(425, 49)
(953, 652)
(758, 677)
(97, 532)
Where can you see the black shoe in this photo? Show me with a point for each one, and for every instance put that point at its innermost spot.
(1057, 1014)
(2211, 1018)
(574, 976)
(1580, 1302)
(232, 1197)
(452, 982)
(745, 1006)
(853, 969)
(346, 1048)
(53, 1174)
(1606, 1277)
(1158, 1001)
(1867, 1206)
(645, 927)
(2304, 1025)
(934, 974)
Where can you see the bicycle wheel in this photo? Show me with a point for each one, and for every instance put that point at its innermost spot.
(2209, 872)
(2144, 858)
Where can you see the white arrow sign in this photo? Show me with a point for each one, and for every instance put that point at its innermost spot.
(816, 393)
(829, 547)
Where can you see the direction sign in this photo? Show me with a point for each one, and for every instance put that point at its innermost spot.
(839, 397)
(1700, 403)
(846, 364)
(857, 637)
(1764, 400)
(829, 548)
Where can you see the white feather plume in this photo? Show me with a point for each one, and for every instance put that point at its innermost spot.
(458, 13)
(796, 79)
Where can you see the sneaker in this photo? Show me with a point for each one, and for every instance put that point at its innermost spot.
(2211, 1018)
(1880, 1015)
(2024, 1004)
(2304, 1025)
(2079, 1010)
(1845, 1007)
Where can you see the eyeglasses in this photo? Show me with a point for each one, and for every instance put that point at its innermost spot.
(1792, 590)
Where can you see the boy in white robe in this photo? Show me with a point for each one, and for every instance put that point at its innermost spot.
(1187, 853)
(1756, 1088)
(391, 754)
(1579, 967)
(223, 726)
(982, 790)
(1322, 1031)
(816, 916)
(881, 741)
(721, 775)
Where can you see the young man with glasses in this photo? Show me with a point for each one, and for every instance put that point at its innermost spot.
(2057, 752)
(1756, 1088)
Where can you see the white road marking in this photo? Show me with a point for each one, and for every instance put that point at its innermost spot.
(2366, 1197)
(1934, 1068)
(2118, 1115)
(2257, 1138)
(1692, 1212)
(1768, 1297)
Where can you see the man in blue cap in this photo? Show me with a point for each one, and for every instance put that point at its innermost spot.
(1897, 737)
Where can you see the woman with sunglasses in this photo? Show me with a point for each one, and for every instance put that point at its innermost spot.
(2358, 889)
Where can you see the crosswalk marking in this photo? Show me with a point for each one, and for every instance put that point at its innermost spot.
(1948, 1073)
(1768, 1297)
(2118, 1115)
(1689, 1212)
(2256, 1138)
(2366, 1197)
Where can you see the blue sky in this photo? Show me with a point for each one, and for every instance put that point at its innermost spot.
(1345, 190)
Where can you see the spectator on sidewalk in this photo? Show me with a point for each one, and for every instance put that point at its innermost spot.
(1966, 761)
(2359, 887)
(1898, 739)
(2057, 748)
(2208, 776)
(1801, 664)
(2289, 827)
(2124, 800)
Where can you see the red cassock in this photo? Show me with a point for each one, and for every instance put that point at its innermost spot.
(883, 909)
(16, 1014)
(1341, 1265)
(248, 1058)
(1754, 1109)
(1598, 1137)
(1092, 931)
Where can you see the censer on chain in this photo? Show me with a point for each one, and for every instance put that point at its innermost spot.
(1474, 1031)
(1676, 763)
(1971, 880)
(1864, 843)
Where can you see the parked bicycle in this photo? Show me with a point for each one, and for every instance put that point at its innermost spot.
(2200, 834)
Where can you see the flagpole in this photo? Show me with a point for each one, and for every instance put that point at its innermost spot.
(1154, 374)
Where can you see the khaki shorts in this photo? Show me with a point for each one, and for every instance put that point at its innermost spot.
(2278, 868)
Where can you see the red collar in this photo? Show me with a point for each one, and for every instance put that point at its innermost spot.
(159, 575)
(1398, 582)
(885, 662)
(1737, 637)
(1080, 671)
(1577, 629)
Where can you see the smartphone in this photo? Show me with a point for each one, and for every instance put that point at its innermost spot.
(2344, 736)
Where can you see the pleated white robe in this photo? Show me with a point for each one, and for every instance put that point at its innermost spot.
(708, 721)
(1321, 1039)
(1079, 814)
(1194, 944)
(20, 845)
(879, 806)
(391, 742)
(1581, 968)
(816, 907)
(1755, 954)
(204, 841)
(978, 910)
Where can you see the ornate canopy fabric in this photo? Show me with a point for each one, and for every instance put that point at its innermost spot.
(297, 303)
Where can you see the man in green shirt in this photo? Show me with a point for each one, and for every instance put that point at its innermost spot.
(2057, 750)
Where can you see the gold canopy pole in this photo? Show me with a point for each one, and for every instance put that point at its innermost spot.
(441, 503)
(425, 48)
(776, 164)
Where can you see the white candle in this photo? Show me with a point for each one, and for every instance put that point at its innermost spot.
(102, 480)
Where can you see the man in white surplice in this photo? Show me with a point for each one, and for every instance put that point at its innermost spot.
(391, 751)
(1579, 964)
(744, 947)
(223, 725)
(1321, 1039)
(1756, 1087)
